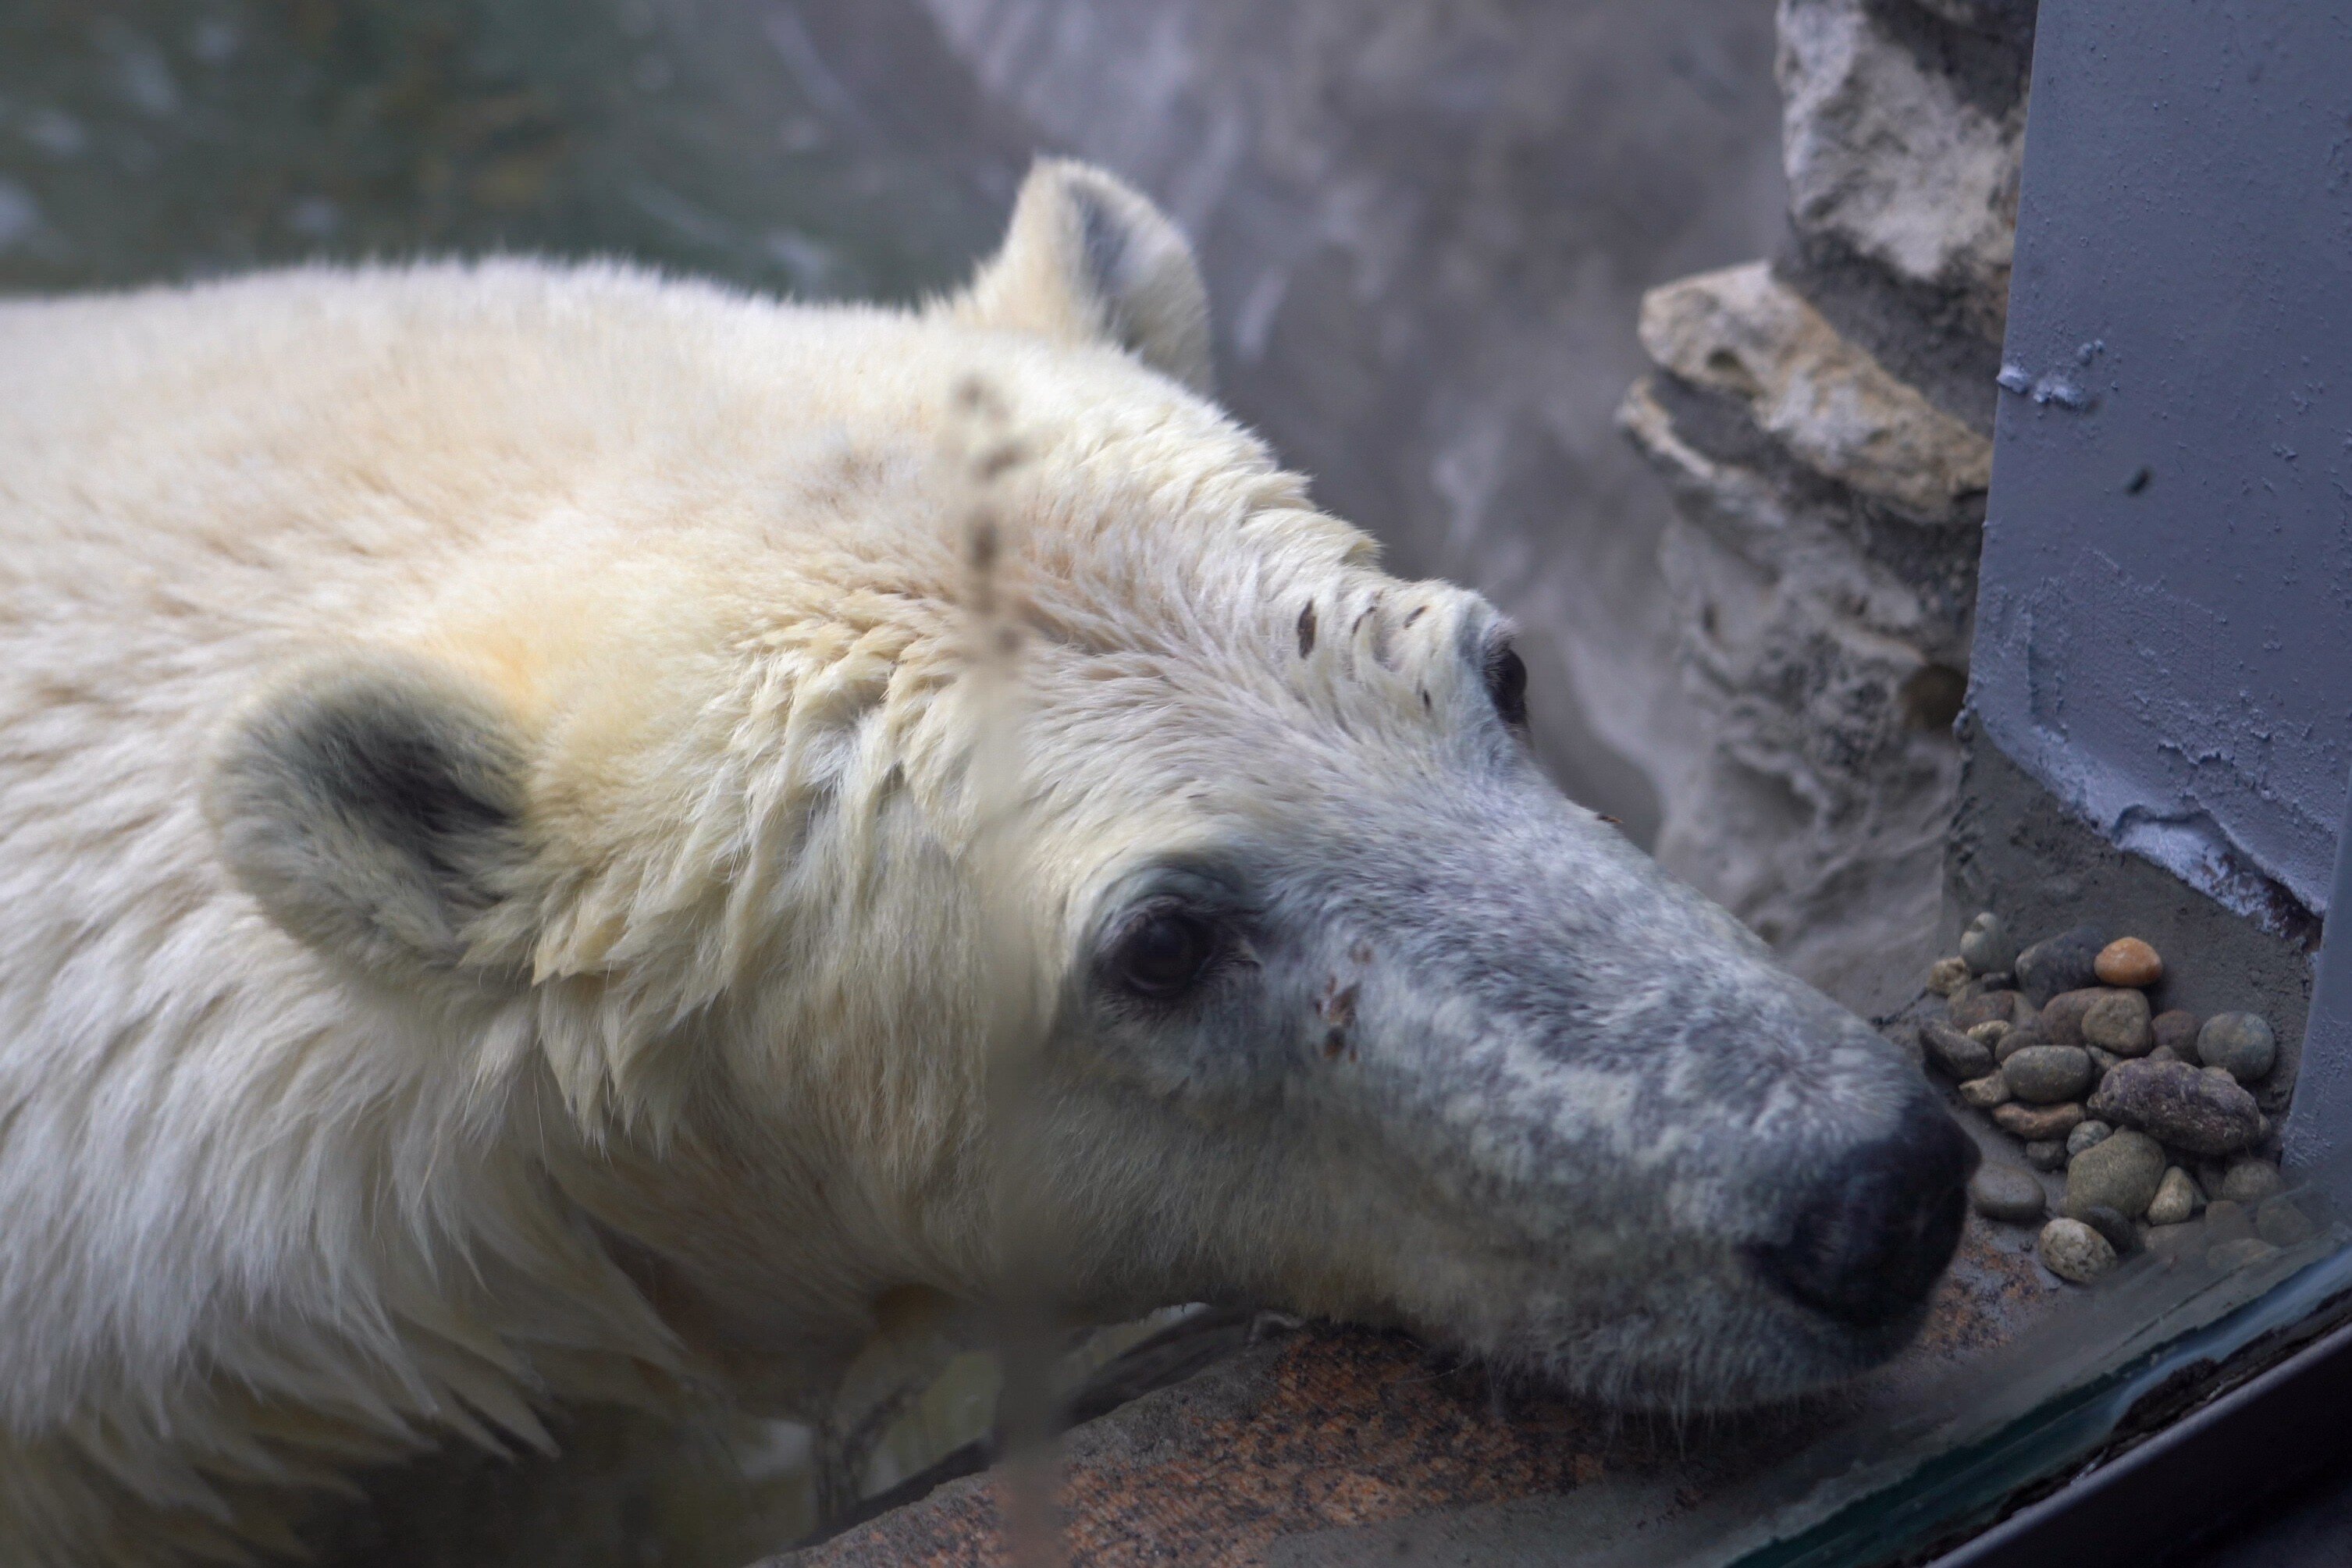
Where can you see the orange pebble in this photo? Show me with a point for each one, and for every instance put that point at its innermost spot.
(2128, 961)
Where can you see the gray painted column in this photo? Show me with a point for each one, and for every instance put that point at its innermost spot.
(2165, 617)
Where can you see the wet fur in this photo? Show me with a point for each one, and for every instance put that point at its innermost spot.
(488, 827)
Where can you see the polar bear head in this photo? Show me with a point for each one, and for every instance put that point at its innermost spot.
(658, 812)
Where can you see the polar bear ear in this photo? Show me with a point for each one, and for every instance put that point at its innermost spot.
(1087, 259)
(374, 807)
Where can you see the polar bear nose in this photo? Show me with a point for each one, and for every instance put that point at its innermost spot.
(1872, 1238)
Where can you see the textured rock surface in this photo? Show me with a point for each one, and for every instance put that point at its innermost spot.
(2249, 1181)
(1957, 1053)
(2118, 1022)
(2005, 1193)
(2038, 1123)
(1822, 422)
(2045, 1074)
(2073, 1250)
(1985, 947)
(2240, 1044)
(1909, 164)
(2055, 965)
(2121, 1172)
(1745, 333)
(2187, 1107)
(2175, 1198)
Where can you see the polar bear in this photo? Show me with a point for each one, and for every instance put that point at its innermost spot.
(500, 911)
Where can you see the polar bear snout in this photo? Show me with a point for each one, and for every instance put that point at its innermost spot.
(1872, 1237)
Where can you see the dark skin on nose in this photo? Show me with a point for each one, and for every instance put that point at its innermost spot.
(1873, 1237)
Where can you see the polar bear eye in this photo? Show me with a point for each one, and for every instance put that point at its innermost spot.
(1507, 683)
(1164, 953)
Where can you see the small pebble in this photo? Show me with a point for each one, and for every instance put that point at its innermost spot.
(1999, 981)
(2279, 1222)
(2118, 1020)
(2045, 1153)
(2228, 1221)
(2083, 1137)
(2121, 1172)
(2120, 1233)
(2187, 1108)
(2171, 1241)
(2074, 1251)
(1989, 1035)
(1986, 1006)
(2175, 1031)
(2174, 1200)
(2249, 1181)
(1957, 1053)
(2007, 1194)
(1985, 947)
(2046, 1074)
(2060, 1016)
(2024, 1037)
(2103, 1060)
(2166, 1054)
(2241, 1043)
(2128, 961)
(2238, 1254)
(1947, 975)
(1986, 1092)
(2066, 962)
(2037, 1124)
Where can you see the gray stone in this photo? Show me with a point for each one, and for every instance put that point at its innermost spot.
(2060, 1016)
(2175, 1198)
(2189, 1109)
(1947, 975)
(2083, 1137)
(2282, 1224)
(2118, 1022)
(2074, 1251)
(2021, 1036)
(1987, 947)
(2066, 962)
(1989, 1035)
(2249, 1181)
(2007, 1194)
(2046, 1074)
(2103, 1060)
(2175, 1031)
(2120, 1172)
(2167, 1054)
(1987, 1092)
(2036, 1123)
(1955, 1052)
(2240, 1044)
(1986, 1007)
(2045, 1153)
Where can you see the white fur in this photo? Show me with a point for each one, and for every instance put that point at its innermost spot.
(264, 1213)
(316, 1145)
